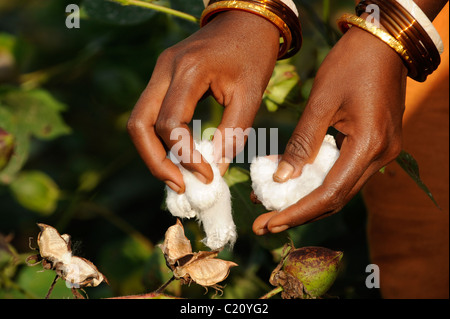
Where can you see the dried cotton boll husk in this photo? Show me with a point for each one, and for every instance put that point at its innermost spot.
(279, 196)
(175, 245)
(200, 267)
(209, 203)
(56, 253)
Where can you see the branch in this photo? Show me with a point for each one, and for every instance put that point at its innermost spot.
(176, 13)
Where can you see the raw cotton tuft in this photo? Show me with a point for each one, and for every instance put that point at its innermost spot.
(279, 196)
(209, 203)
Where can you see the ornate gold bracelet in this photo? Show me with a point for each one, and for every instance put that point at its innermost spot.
(348, 20)
(274, 11)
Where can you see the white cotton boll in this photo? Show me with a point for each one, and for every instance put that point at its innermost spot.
(279, 196)
(210, 203)
(179, 205)
(202, 196)
(217, 222)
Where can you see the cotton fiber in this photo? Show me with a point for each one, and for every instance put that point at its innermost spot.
(279, 196)
(209, 203)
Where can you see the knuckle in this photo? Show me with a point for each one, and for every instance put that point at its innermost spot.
(167, 56)
(135, 126)
(164, 126)
(299, 147)
(384, 143)
(188, 64)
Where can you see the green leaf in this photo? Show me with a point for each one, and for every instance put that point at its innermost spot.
(283, 88)
(36, 282)
(409, 164)
(36, 191)
(36, 111)
(125, 260)
(245, 211)
(116, 13)
(26, 114)
(194, 8)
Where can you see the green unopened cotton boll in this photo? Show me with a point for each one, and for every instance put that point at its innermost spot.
(36, 191)
(307, 272)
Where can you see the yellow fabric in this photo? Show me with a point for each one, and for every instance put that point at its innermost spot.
(408, 235)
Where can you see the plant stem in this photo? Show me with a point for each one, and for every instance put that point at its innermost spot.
(164, 286)
(272, 293)
(326, 11)
(157, 7)
(51, 287)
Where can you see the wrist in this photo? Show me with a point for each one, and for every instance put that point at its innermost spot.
(274, 11)
(289, 3)
(430, 8)
(250, 23)
(398, 27)
(381, 55)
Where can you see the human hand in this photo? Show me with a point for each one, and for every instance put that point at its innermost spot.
(359, 90)
(232, 58)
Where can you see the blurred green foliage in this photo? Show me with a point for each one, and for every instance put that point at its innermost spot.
(66, 94)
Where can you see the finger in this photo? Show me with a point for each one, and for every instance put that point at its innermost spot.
(342, 180)
(172, 123)
(235, 128)
(305, 141)
(260, 225)
(142, 131)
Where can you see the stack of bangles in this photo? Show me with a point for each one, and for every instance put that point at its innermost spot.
(402, 32)
(275, 11)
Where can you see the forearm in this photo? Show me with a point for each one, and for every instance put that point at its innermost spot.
(431, 7)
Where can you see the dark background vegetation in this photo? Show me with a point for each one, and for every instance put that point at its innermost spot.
(106, 199)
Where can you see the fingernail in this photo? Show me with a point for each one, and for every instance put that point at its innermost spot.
(261, 231)
(279, 229)
(173, 186)
(283, 173)
(200, 177)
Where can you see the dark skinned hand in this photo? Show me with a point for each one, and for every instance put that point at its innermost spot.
(359, 90)
(232, 58)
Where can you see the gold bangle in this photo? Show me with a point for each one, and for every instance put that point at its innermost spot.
(255, 8)
(347, 20)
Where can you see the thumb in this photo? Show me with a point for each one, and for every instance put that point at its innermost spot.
(304, 143)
